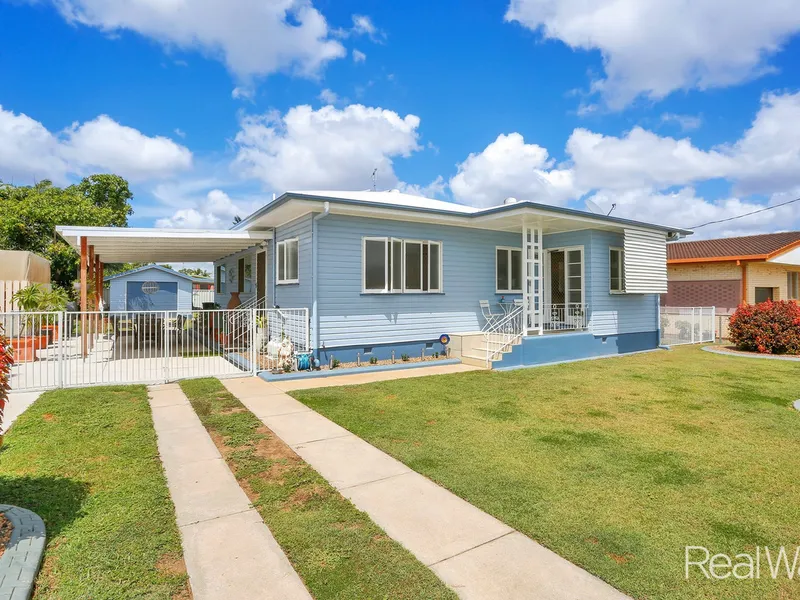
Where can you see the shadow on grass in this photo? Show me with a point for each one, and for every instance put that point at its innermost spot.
(57, 500)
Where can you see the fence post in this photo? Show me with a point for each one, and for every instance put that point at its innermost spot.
(165, 345)
(60, 353)
(253, 349)
(308, 332)
(713, 323)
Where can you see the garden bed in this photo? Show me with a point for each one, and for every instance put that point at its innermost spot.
(6, 529)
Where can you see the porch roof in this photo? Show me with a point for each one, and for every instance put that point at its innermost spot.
(127, 244)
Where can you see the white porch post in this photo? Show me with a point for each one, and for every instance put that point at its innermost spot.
(532, 290)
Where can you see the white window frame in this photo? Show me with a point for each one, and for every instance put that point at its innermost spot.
(389, 259)
(793, 285)
(284, 244)
(621, 251)
(508, 249)
(548, 269)
(220, 279)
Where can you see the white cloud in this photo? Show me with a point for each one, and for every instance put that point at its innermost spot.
(766, 159)
(216, 211)
(123, 150)
(359, 56)
(243, 92)
(328, 148)
(768, 154)
(683, 208)
(685, 122)
(641, 158)
(435, 189)
(179, 132)
(508, 167)
(29, 150)
(363, 25)
(654, 47)
(651, 177)
(252, 37)
(328, 96)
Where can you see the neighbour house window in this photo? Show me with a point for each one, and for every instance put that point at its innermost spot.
(220, 281)
(764, 293)
(287, 257)
(617, 269)
(392, 265)
(794, 286)
(508, 270)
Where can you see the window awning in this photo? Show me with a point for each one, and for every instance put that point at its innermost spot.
(127, 244)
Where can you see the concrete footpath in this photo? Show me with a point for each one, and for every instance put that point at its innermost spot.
(228, 550)
(475, 554)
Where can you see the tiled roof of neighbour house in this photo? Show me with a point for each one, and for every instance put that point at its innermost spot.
(748, 247)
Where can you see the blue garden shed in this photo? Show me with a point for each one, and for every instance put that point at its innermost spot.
(151, 287)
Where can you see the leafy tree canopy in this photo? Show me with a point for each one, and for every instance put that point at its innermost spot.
(29, 215)
(195, 272)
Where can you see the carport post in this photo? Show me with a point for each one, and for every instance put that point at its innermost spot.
(83, 292)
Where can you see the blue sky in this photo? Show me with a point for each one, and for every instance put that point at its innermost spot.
(682, 113)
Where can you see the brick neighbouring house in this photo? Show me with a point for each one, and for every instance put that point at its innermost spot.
(727, 272)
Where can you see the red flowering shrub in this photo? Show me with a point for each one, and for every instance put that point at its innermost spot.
(769, 327)
(6, 360)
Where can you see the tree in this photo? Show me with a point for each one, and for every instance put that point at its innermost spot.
(107, 191)
(29, 215)
(195, 272)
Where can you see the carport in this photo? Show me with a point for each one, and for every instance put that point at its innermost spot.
(99, 246)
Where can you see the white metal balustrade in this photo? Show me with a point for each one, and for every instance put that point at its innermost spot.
(687, 325)
(70, 349)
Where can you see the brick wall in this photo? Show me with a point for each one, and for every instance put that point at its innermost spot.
(762, 274)
(704, 271)
(726, 295)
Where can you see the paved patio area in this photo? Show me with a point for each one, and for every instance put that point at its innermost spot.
(474, 553)
(229, 551)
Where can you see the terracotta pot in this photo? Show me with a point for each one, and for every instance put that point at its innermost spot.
(52, 333)
(234, 301)
(222, 338)
(41, 341)
(24, 349)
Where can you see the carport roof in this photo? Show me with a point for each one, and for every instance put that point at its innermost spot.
(129, 244)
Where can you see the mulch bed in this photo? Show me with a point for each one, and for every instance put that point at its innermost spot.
(6, 528)
(735, 350)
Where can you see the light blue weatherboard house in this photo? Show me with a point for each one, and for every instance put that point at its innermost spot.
(516, 284)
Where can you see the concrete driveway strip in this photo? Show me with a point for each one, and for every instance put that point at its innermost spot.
(478, 556)
(229, 551)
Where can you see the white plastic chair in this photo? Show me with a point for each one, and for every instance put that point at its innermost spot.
(486, 309)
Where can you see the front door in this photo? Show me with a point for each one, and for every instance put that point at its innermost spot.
(565, 291)
(261, 277)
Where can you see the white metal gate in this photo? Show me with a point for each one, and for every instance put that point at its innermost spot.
(73, 349)
(687, 325)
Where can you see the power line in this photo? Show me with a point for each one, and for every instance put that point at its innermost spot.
(766, 208)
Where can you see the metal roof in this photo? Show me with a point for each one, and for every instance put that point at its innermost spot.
(128, 244)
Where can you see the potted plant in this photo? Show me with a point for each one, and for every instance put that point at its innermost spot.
(53, 300)
(30, 339)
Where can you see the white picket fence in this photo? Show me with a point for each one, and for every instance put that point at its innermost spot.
(687, 325)
(74, 349)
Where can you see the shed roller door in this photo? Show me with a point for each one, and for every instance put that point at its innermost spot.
(152, 295)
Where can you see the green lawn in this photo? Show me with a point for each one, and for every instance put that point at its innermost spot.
(86, 461)
(615, 464)
(336, 549)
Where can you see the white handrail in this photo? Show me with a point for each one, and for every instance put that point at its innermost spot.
(503, 333)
